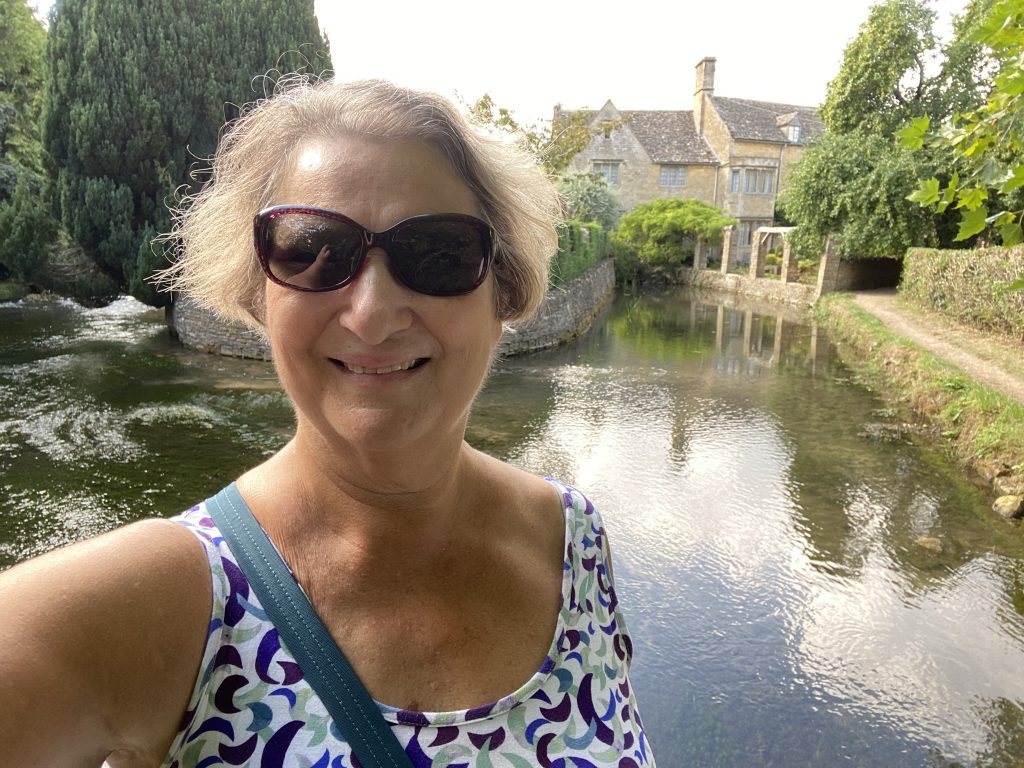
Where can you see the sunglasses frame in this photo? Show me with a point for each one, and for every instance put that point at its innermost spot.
(369, 240)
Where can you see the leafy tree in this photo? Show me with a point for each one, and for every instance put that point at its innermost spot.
(22, 42)
(984, 146)
(136, 92)
(588, 197)
(853, 186)
(851, 182)
(27, 231)
(882, 80)
(664, 232)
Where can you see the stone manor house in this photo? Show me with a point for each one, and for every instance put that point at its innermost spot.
(732, 153)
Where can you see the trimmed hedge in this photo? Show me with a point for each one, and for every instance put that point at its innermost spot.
(580, 246)
(968, 286)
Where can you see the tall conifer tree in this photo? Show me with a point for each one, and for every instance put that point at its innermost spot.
(138, 92)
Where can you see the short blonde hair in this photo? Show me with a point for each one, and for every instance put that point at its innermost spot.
(215, 262)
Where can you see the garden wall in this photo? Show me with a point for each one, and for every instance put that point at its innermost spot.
(968, 286)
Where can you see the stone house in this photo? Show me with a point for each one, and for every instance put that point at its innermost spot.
(732, 153)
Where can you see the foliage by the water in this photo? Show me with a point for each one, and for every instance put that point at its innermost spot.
(581, 245)
(136, 93)
(981, 426)
(588, 197)
(853, 186)
(982, 148)
(969, 287)
(664, 232)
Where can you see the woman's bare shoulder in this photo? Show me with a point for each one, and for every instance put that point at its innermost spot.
(107, 634)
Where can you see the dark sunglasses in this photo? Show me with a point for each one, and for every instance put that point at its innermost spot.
(313, 249)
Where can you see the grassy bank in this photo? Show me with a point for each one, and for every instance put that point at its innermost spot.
(982, 428)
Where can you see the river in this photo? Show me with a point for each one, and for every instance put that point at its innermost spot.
(807, 584)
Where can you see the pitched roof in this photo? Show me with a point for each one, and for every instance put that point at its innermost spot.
(669, 136)
(760, 120)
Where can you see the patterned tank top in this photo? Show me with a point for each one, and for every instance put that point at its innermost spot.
(251, 704)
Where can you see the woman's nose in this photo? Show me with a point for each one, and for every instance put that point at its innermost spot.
(377, 305)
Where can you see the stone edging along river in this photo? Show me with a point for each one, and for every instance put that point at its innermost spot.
(565, 314)
(981, 358)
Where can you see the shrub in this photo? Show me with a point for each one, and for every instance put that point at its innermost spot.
(580, 246)
(968, 286)
(664, 232)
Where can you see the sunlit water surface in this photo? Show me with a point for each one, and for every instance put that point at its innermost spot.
(805, 585)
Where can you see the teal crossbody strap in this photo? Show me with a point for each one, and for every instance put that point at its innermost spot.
(324, 665)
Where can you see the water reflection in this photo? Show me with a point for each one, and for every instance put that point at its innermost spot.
(805, 585)
(799, 590)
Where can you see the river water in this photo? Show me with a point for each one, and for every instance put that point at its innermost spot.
(806, 585)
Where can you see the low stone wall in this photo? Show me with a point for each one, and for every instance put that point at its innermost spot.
(198, 328)
(760, 287)
(566, 313)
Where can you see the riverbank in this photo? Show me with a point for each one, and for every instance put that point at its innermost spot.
(936, 379)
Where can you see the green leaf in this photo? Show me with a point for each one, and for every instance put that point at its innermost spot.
(971, 223)
(971, 198)
(912, 136)
(927, 193)
(948, 194)
(1015, 180)
(1010, 234)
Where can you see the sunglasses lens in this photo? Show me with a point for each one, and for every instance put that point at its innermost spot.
(441, 257)
(312, 252)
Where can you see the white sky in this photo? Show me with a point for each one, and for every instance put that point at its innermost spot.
(532, 54)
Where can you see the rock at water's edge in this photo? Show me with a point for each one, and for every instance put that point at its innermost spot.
(1010, 507)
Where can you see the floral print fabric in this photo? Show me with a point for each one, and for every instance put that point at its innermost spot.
(252, 705)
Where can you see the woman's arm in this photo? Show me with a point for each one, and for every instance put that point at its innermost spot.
(100, 645)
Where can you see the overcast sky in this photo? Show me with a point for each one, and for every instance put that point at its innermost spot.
(641, 54)
(532, 54)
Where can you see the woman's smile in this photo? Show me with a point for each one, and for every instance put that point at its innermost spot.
(379, 369)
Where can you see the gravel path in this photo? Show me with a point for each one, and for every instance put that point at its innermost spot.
(993, 361)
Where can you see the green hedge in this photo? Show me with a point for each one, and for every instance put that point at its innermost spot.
(968, 286)
(580, 246)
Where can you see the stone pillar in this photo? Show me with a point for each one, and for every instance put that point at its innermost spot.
(828, 270)
(757, 254)
(700, 255)
(790, 269)
(727, 255)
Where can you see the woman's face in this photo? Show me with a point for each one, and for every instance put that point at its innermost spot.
(375, 365)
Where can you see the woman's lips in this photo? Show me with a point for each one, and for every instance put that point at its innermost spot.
(381, 370)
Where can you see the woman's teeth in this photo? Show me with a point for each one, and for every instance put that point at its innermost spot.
(380, 371)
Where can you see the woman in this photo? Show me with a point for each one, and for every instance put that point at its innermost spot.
(473, 600)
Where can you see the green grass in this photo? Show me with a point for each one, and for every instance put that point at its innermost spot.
(978, 424)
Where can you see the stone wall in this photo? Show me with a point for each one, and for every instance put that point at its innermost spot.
(566, 313)
(198, 328)
(761, 288)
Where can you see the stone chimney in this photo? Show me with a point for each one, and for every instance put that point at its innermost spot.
(705, 87)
